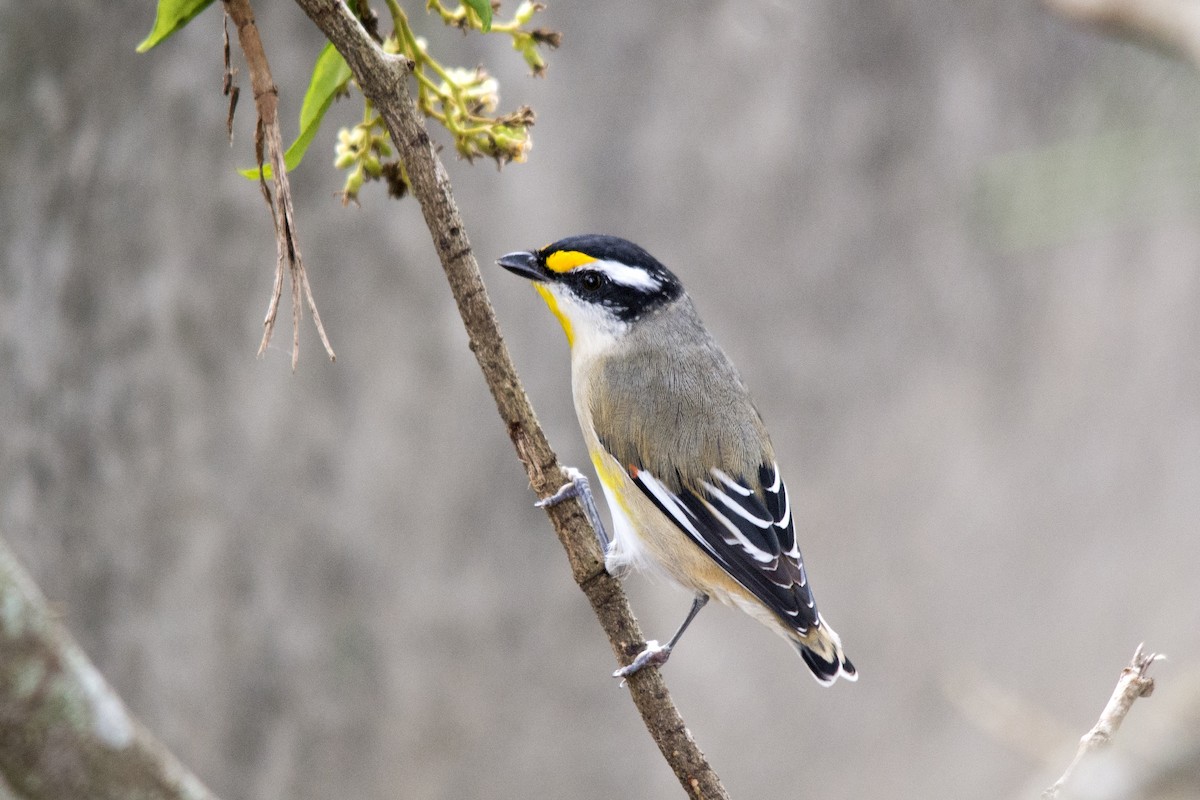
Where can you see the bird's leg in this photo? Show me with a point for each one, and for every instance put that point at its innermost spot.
(579, 487)
(657, 654)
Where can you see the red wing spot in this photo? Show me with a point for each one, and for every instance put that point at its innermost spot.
(633, 471)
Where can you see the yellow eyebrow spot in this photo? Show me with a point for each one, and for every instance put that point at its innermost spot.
(567, 260)
(548, 296)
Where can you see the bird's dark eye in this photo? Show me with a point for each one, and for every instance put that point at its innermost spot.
(591, 281)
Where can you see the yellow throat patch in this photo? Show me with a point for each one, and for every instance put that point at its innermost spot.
(560, 262)
(552, 302)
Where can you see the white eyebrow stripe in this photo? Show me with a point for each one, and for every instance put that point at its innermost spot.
(626, 275)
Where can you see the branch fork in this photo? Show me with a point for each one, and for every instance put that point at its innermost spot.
(1133, 683)
(267, 136)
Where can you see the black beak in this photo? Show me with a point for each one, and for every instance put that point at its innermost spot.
(524, 264)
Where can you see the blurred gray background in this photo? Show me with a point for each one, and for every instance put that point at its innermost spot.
(954, 248)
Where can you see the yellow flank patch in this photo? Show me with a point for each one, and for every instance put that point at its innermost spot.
(567, 260)
(611, 476)
(552, 302)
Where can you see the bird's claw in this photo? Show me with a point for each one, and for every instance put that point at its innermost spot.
(654, 655)
(575, 487)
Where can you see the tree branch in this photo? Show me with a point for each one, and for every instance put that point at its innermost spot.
(382, 79)
(287, 246)
(1132, 684)
(63, 731)
(1172, 25)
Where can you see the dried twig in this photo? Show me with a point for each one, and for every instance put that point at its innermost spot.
(266, 101)
(1172, 25)
(382, 79)
(229, 86)
(1132, 684)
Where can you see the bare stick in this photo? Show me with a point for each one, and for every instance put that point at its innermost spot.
(229, 86)
(1172, 25)
(63, 731)
(382, 79)
(266, 101)
(1132, 684)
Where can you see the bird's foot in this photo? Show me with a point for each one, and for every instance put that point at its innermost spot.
(654, 655)
(577, 486)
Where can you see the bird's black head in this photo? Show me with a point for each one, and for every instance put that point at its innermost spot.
(606, 272)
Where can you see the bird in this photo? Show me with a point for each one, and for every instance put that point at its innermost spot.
(683, 457)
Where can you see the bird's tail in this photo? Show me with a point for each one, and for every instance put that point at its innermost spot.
(821, 650)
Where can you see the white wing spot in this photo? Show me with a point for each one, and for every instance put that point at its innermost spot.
(670, 502)
(731, 483)
(786, 519)
(757, 553)
(736, 508)
(774, 487)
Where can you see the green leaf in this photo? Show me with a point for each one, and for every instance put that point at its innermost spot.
(329, 76)
(170, 17)
(484, 9)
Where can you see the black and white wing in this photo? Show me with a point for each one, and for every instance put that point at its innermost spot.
(744, 523)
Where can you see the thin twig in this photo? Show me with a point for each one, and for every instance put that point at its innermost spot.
(382, 79)
(268, 136)
(229, 85)
(1132, 684)
(1172, 25)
